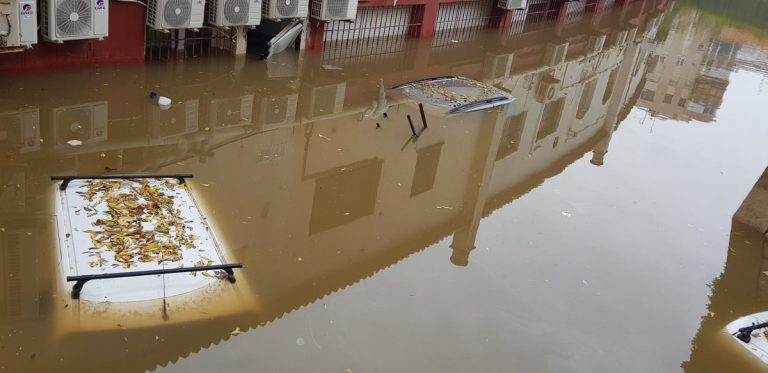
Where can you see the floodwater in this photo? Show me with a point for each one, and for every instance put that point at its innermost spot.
(582, 229)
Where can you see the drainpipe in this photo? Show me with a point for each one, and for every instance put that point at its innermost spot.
(478, 182)
(618, 97)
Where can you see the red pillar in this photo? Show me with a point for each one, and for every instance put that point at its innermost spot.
(429, 19)
(315, 37)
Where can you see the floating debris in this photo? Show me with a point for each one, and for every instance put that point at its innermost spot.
(140, 224)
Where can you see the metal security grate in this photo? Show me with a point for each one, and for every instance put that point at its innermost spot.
(572, 11)
(177, 44)
(376, 31)
(462, 22)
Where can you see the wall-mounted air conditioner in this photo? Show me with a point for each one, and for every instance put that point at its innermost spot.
(18, 23)
(595, 44)
(619, 38)
(555, 54)
(234, 12)
(20, 130)
(175, 14)
(323, 100)
(63, 20)
(86, 123)
(547, 88)
(279, 9)
(334, 10)
(513, 4)
(178, 120)
(631, 34)
(497, 66)
(277, 111)
(232, 112)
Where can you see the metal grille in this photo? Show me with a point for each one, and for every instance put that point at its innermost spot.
(176, 13)
(572, 10)
(376, 31)
(236, 11)
(152, 12)
(162, 46)
(73, 18)
(462, 22)
(539, 12)
(44, 5)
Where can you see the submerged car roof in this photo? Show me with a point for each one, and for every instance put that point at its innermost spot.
(458, 94)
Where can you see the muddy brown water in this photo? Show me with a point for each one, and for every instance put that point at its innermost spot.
(584, 231)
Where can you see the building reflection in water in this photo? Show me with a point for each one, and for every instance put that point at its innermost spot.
(306, 191)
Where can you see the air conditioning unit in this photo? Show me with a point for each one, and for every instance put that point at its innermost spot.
(282, 66)
(555, 54)
(497, 66)
(275, 112)
(234, 12)
(334, 10)
(64, 20)
(631, 34)
(18, 23)
(547, 88)
(232, 112)
(620, 38)
(86, 123)
(20, 130)
(175, 14)
(595, 44)
(178, 120)
(324, 100)
(279, 9)
(513, 4)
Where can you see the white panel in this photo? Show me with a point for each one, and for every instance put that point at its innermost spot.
(254, 14)
(27, 22)
(74, 243)
(101, 18)
(196, 17)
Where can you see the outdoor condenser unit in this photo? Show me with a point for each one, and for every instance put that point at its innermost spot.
(333, 10)
(555, 54)
(513, 4)
(620, 38)
(497, 66)
(232, 112)
(547, 88)
(595, 44)
(277, 111)
(86, 123)
(325, 100)
(18, 23)
(175, 14)
(20, 129)
(278, 9)
(180, 119)
(63, 20)
(631, 34)
(234, 12)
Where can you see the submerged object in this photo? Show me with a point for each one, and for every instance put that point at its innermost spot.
(284, 38)
(751, 332)
(456, 94)
(121, 233)
(162, 101)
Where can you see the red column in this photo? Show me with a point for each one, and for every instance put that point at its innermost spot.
(315, 38)
(429, 19)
